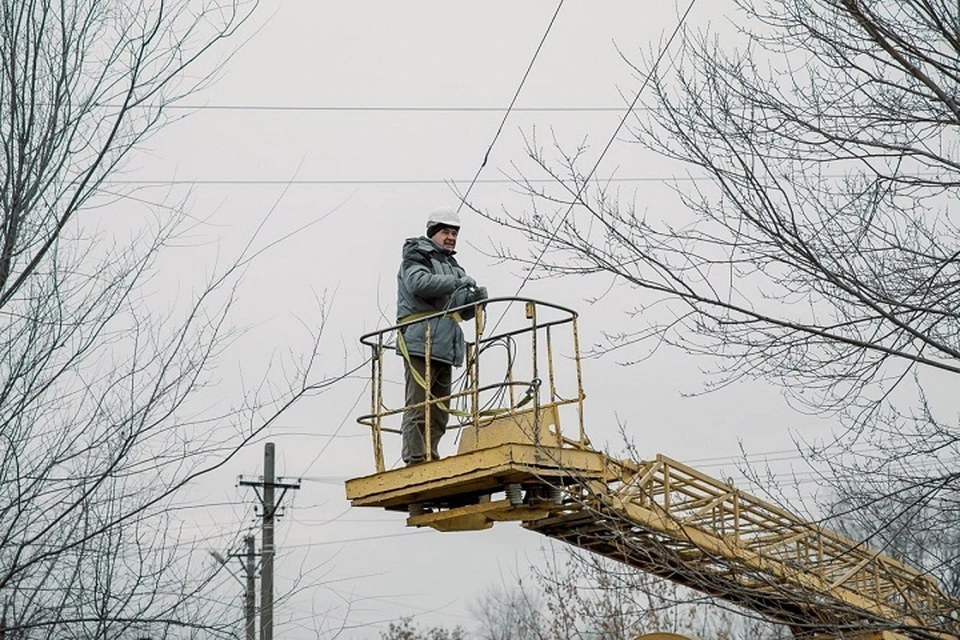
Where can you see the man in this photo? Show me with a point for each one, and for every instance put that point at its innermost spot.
(430, 280)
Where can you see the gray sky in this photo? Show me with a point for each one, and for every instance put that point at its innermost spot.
(338, 149)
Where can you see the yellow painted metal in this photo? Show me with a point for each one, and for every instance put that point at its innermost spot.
(584, 442)
(670, 520)
(467, 478)
(497, 394)
(376, 390)
(479, 516)
(523, 427)
(673, 521)
(658, 515)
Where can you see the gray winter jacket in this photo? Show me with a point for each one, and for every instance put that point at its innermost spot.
(430, 280)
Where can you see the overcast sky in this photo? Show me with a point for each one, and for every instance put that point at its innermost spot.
(351, 119)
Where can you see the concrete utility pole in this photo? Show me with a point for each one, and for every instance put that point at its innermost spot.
(249, 565)
(268, 500)
(250, 597)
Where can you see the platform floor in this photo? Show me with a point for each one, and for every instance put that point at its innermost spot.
(471, 478)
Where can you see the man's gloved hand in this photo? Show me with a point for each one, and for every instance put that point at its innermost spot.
(481, 293)
(467, 282)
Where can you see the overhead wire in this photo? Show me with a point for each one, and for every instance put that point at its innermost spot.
(626, 114)
(630, 109)
(398, 108)
(510, 107)
(386, 181)
(463, 197)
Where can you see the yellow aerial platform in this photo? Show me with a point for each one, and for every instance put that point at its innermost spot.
(514, 462)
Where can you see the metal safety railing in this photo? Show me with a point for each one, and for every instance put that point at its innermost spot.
(529, 359)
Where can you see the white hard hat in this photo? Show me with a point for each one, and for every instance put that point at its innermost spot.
(444, 216)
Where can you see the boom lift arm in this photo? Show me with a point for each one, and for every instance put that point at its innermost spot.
(515, 464)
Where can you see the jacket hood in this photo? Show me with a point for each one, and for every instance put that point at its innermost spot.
(423, 244)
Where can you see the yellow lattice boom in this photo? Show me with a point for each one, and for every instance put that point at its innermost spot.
(514, 463)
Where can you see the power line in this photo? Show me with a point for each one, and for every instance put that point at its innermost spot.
(506, 114)
(383, 536)
(613, 137)
(392, 181)
(385, 181)
(392, 108)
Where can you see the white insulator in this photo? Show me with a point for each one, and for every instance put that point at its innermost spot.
(514, 494)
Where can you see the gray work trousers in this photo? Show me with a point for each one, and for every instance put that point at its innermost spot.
(412, 427)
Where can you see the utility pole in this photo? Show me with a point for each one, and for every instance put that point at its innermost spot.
(249, 565)
(250, 599)
(269, 503)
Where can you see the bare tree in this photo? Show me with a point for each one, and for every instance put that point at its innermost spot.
(577, 595)
(586, 597)
(817, 245)
(911, 528)
(510, 614)
(405, 629)
(102, 421)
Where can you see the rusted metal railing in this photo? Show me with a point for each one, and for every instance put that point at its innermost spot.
(501, 375)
